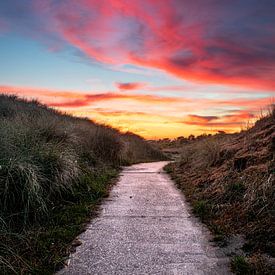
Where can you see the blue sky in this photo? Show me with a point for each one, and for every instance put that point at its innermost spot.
(156, 69)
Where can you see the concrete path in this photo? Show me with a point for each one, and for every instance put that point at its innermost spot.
(145, 227)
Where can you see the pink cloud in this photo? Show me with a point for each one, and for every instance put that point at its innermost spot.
(130, 85)
(219, 43)
(78, 98)
(175, 36)
(75, 99)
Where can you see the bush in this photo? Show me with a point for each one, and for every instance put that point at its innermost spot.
(35, 171)
(43, 155)
(203, 153)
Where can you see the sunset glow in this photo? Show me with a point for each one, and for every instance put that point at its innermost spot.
(161, 69)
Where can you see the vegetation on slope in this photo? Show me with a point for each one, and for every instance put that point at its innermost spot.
(53, 170)
(230, 182)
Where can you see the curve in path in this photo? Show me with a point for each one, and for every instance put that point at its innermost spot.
(145, 227)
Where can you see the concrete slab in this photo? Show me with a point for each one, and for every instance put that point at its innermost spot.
(146, 227)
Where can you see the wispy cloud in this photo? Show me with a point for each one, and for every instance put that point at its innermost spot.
(198, 120)
(74, 99)
(237, 119)
(221, 43)
(126, 86)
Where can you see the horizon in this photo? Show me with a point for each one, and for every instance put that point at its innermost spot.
(158, 69)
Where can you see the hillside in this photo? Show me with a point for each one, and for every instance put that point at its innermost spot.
(230, 182)
(54, 168)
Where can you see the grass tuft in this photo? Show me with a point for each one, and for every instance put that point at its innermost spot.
(240, 265)
(201, 208)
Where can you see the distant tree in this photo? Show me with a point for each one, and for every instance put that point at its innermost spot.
(202, 136)
(181, 139)
(191, 137)
(166, 140)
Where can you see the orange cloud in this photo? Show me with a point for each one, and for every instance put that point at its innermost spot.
(149, 115)
(35, 92)
(59, 98)
(199, 120)
(237, 119)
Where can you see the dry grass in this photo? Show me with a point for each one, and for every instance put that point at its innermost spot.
(230, 181)
(204, 153)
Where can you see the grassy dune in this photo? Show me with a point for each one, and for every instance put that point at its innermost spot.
(230, 182)
(54, 168)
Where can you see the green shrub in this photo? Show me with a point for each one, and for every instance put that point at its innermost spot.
(201, 208)
(240, 265)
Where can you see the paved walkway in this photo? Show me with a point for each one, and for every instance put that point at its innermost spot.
(145, 227)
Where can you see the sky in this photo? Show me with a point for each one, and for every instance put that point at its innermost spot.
(158, 68)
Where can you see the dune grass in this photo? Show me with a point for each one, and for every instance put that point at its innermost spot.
(54, 168)
(229, 179)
